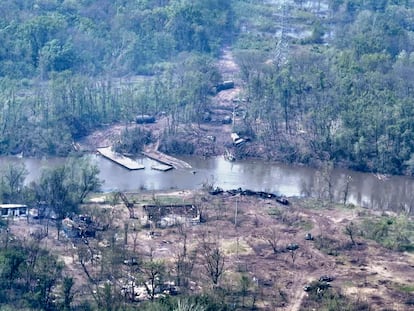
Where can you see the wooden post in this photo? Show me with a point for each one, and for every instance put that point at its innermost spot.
(126, 233)
(235, 213)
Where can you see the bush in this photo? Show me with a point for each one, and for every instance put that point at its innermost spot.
(177, 145)
(133, 140)
(391, 232)
(325, 298)
(327, 245)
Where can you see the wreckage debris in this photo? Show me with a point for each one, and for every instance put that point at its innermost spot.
(309, 237)
(216, 191)
(162, 216)
(81, 226)
(283, 201)
(292, 247)
(248, 192)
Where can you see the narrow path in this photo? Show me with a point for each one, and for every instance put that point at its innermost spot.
(299, 294)
(229, 71)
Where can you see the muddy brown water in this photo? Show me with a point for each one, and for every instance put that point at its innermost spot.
(395, 193)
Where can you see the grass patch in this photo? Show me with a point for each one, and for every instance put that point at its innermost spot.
(163, 200)
(273, 211)
(327, 299)
(231, 247)
(396, 233)
(305, 225)
(327, 245)
(316, 204)
(407, 288)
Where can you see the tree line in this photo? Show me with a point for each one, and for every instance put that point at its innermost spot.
(62, 66)
(106, 37)
(338, 91)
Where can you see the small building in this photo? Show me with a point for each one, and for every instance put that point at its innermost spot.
(162, 216)
(13, 210)
(144, 119)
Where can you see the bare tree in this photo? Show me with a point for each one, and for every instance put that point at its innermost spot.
(184, 261)
(153, 272)
(135, 230)
(213, 261)
(244, 288)
(348, 180)
(67, 293)
(324, 181)
(273, 240)
(350, 230)
(292, 248)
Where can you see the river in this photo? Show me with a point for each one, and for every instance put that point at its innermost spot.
(394, 193)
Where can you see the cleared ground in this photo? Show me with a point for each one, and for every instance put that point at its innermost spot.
(252, 234)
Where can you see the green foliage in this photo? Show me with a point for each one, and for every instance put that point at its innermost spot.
(133, 140)
(69, 54)
(12, 183)
(120, 36)
(186, 303)
(174, 145)
(152, 276)
(67, 293)
(405, 288)
(110, 299)
(325, 298)
(274, 211)
(317, 34)
(63, 188)
(328, 245)
(28, 276)
(344, 98)
(11, 260)
(396, 233)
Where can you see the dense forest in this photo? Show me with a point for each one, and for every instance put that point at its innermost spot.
(325, 80)
(344, 91)
(60, 60)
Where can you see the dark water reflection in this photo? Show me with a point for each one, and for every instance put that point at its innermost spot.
(392, 193)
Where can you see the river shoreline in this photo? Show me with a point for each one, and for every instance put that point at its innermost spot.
(393, 193)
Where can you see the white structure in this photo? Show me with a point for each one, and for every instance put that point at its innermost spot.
(13, 210)
(237, 140)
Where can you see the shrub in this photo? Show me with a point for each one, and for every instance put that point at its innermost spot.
(177, 145)
(133, 140)
(391, 232)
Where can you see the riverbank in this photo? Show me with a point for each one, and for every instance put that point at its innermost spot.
(371, 191)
